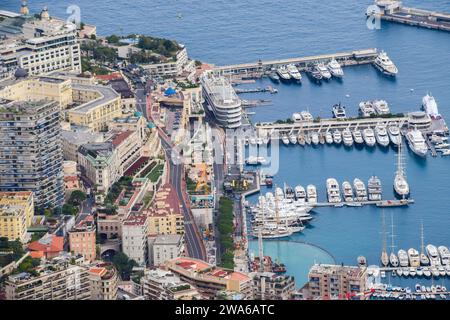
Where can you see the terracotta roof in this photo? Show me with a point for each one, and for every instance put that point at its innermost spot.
(98, 271)
(36, 254)
(119, 138)
(70, 178)
(51, 243)
(109, 77)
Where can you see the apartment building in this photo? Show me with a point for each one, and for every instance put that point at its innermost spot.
(163, 248)
(72, 140)
(82, 239)
(30, 150)
(128, 146)
(104, 281)
(162, 284)
(174, 67)
(210, 280)
(98, 105)
(271, 286)
(336, 282)
(165, 216)
(16, 214)
(38, 44)
(134, 238)
(56, 279)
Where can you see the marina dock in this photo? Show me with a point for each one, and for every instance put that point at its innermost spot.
(394, 11)
(391, 203)
(254, 69)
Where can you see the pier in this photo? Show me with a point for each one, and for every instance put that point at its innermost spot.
(254, 69)
(387, 203)
(393, 11)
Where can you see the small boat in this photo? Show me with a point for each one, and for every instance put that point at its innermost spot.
(311, 193)
(426, 272)
(413, 256)
(369, 137)
(297, 117)
(416, 143)
(335, 69)
(315, 138)
(274, 77)
(314, 74)
(357, 137)
(328, 137)
(321, 138)
(444, 254)
(435, 272)
(333, 193)
(420, 271)
(405, 272)
(433, 255)
(306, 116)
(339, 111)
(308, 139)
(362, 262)
(301, 139)
(403, 258)
(412, 271)
(292, 139)
(300, 193)
(337, 137)
(285, 139)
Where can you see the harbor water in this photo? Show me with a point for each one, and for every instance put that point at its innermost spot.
(227, 32)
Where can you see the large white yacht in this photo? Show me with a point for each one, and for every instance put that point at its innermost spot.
(385, 64)
(394, 134)
(306, 116)
(417, 143)
(347, 191)
(223, 100)
(374, 188)
(339, 111)
(414, 259)
(433, 255)
(445, 255)
(300, 193)
(369, 137)
(403, 258)
(283, 73)
(429, 105)
(311, 192)
(333, 192)
(337, 136)
(323, 71)
(294, 73)
(366, 109)
(401, 186)
(360, 190)
(381, 135)
(328, 137)
(357, 137)
(381, 107)
(335, 69)
(347, 137)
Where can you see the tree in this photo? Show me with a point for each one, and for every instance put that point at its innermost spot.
(77, 197)
(68, 209)
(112, 39)
(124, 265)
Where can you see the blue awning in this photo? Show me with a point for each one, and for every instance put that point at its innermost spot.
(170, 92)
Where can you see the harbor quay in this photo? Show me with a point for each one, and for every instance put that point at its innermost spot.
(394, 11)
(357, 57)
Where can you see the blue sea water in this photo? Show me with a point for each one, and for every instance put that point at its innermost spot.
(226, 32)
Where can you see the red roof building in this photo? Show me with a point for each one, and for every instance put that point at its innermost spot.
(49, 246)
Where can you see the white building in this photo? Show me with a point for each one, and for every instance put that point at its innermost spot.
(134, 238)
(181, 64)
(165, 247)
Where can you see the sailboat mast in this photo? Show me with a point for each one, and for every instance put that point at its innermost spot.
(392, 233)
(261, 251)
(384, 231)
(421, 239)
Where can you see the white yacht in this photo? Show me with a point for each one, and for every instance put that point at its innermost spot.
(429, 105)
(374, 189)
(347, 137)
(272, 231)
(300, 193)
(417, 143)
(381, 107)
(337, 137)
(324, 72)
(283, 73)
(335, 69)
(393, 260)
(433, 255)
(385, 64)
(445, 255)
(301, 139)
(394, 134)
(347, 191)
(369, 137)
(381, 135)
(285, 139)
(306, 116)
(311, 192)
(296, 117)
(293, 72)
(315, 138)
(403, 258)
(328, 137)
(360, 190)
(366, 109)
(357, 137)
(292, 138)
(339, 111)
(401, 186)
(414, 259)
(333, 192)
